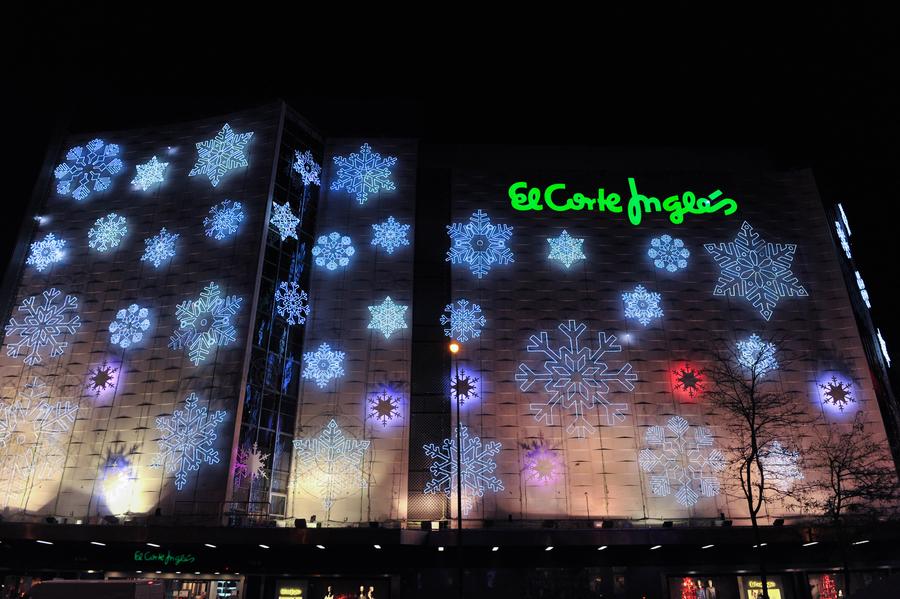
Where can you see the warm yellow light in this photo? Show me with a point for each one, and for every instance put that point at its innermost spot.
(454, 347)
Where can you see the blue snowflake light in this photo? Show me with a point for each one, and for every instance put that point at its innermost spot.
(390, 235)
(577, 378)
(465, 320)
(331, 466)
(781, 465)
(43, 325)
(129, 326)
(566, 249)
(642, 305)
(291, 302)
(218, 155)
(283, 220)
(478, 468)
(668, 253)
(45, 252)
(883, 345)
(187, 440)
(756, 355)
(159, 248)
(364, 173)
(479, 244)
(323, 365)
(150, 174)
(842, 237)
(307, 167)
(107, 232)
(862, 289)
(223, 219)
(756, 270)
(387, 317)
(333, 250)
(205, 323)
(88, 168)
(384, 407)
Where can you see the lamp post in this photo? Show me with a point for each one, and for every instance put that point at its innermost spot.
(454, 349)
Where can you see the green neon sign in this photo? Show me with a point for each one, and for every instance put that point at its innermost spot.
(164, 557)
(523, 198)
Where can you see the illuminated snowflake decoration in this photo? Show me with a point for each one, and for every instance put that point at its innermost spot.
(306, 166)
(205, 323)
(150, 174)
(680, 464)
(187, 440)
(159, 248)
(842, 237)
(331, 466)
(566, 249)
(364, 173)
(543, 466)
(333, 250)
(218, 155)
(883, 345)
(107, 232)
(862, 289)
(463, 386)
(478, 466)
(250, 465)
(688, 380)
(129, 326)
(384, 407)
(43, 325)
(756, 270)
(45, 252)
(323, 365)
(283, 220)
(668, 253)
(89, 168)
(464, 320)
(387, 317)
(576, 378)
(781, 465)
(292, 302)
(7, 423)
(223, 219)
(390, 235)
(101, 379)
(837, 393)
(479, 244)
(756, 355)
(642, 305)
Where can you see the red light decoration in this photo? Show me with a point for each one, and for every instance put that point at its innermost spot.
(688, 382)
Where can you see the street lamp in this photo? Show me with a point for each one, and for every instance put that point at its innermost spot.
(454, 349)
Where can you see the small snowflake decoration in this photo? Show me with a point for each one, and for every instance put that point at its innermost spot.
(566, 249)
(223, 219)
(837, 393)
(478, 466)
(88, 168)
(107, 232)
(479, 244)
(205, 323)
(7, 423)
(46, 252)
(756, 355)
(150, 174)
(250, 464)
(543, 466)
(283, 220)
(642, 305)
(187, 440)
(306, 166)
(465, 320)
(333, 250)
(291, 302)
(845, 244)
(387, 317)
(129, 326)
(42, 326)
(668, 253)
(688, 380)
(323, 365)
(159, 248)
(102, 378)
(384, 407)
(463, 386)
(331, 466)
(364, 173)
(224, 152)
(781, 465)
(675, 460)
(390, 235)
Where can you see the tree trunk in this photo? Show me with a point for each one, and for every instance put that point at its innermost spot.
(844, 557)
(763, 578)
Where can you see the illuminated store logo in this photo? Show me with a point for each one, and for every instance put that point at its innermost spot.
(165, 558)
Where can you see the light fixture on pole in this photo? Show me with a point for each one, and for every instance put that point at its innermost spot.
(454, 348)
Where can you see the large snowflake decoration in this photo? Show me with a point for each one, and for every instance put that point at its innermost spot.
(107, 232)
(688, 380)
(543, 466)
(250, 464)
(45, 252)
(160, 247)
(42, 325)
(218, 155)
(668, 253)
(781, 465)
(687, 463)
(102, 378)
(479, 244)
(478, 466)
(845, 244)
(566, 249)
(837, 393)
(307, 167)
(384, 407)
(292, 302)
(364, 173)
(129, 326)
(642, 305)
(88, 168)
(331, 466)
(387, 317)
(576, 378)
(205, 323)
(150, 174)
(283, 220)
(390, 235)
(333, 250)
(465, 320)
(187, 440)
(463, 386)
(323, 365)
(756, 355)
(223, 219)
(756, 270)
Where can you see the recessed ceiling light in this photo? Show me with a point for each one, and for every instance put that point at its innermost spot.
(495, 549)
(861, 542)
(210, 545)
(264, 546)
(152, 545)
(377, 546)
(601, 547)
(45, 542)
(655, 547)
(320, 546)
(707, 546)
(810, 544)
(98, 543)
(549, 548)
(440, 548)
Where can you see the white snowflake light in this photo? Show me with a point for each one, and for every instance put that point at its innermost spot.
(566, 249)
(464, 320)
(307, 167)
(668, 253)
(862, 290)
(642, 305)
(159, 248)
(283, 220)
(223, 219)
(218, 155)
(756, 355)
(150, 174)
(331, 466)
(387, 317)
(107, 232)
(478, 466)
(884, 351)
(187, 440)
(364, 173)
(390, 235)
(42, 326)
(45, 252)
(844, 219)
(842, 237)
(333, 250)
(323, 365)
(479, 244)
(129, 326)
(291, 302)
(88, 168)
(250, 464)
(205, 323)
(781, 465)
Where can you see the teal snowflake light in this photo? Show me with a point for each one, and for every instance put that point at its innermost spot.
(43, 325)
(387, 317)
(331, 466)
(566, 249)
(159, 248)
(642, 305)
(465, 320)
(479, 244)
(291, 302)
(218, 155)
(364, 173)
(668, 253)
(149, 174)
(45, 252)
(307, 167)
(283, 220)
(390, 235)
(223, 219)
(129, 326)
(205, 323)
(107, 232)
(478, 468)
(333, 250)
(756, 355)
(323, 365)
(89, 168)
